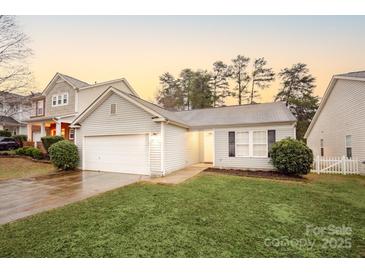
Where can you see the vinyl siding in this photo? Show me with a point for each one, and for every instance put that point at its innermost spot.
(129, 119)
(343, 114)
(88, 95)
(222, 160)
(60, 88)
(175, 148)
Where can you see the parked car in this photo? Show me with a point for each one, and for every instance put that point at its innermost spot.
(7, 143)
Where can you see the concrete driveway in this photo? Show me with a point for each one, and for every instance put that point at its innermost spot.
(24, 197)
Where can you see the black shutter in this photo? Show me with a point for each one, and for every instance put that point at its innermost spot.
(271, 139)
(231, 144)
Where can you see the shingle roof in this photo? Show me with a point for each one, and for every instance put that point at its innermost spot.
(75, 82)
(6, 120)
(356, 74)
(231, 115)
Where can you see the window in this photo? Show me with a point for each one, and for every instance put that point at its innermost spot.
(60, 100)
(113, 108)
(39, 107)
(71, 134)
(348, 146)
(259, 144)
(322, 148)
(65, 98)
(231, 144)
(54, 100)
(242, 144)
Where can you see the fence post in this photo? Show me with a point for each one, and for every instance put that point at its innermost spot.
(317, 165)
(343, 165)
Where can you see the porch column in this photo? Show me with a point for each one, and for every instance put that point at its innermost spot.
(29, 132)
(58, 128)
(43, 130)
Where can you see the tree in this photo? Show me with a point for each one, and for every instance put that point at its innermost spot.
(14, 74)
(202, 95)
(261, 78)
(169, 96)
(186, 84)
(295, 82)
(240, 76)
(219, 83)
(296, 91)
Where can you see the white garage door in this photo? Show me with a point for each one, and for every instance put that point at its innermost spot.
(121, 153)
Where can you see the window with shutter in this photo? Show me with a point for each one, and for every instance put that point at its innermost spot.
(231, 144)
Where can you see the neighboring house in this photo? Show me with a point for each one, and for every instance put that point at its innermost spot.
(14, 110)
(120, 132)
(338, 128)
(61, 101)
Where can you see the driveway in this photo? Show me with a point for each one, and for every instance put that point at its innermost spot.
(24, 197)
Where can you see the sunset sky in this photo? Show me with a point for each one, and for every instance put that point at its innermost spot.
(140, 48)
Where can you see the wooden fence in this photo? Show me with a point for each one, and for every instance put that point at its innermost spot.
(335, 165)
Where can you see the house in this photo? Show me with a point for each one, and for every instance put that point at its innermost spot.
(121, 132)
(61, 101)
(338, 127)
(14, 110)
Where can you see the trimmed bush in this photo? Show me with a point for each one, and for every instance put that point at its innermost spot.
(64, 155)
(50, 140)
(291, 157)
(35, 153)
(20, 139)
(5, 133)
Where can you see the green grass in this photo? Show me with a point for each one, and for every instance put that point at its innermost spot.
(13, 168)
(209, 216)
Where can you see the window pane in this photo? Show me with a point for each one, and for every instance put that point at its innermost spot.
(242, 137)
(54, 100)
(259, 137)
(348, 141)
(65, 98)
(59, 99)
(349, 152)
(242, 150)
(259, 150)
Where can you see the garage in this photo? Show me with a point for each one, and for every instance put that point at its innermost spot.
(117, 153)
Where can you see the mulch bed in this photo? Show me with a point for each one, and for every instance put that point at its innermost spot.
(257, 173)
(4, 155)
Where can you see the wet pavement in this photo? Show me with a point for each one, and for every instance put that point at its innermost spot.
(20, 198)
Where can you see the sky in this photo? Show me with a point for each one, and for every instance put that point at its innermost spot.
(141, 48)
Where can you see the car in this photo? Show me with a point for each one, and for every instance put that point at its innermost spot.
(8, 143)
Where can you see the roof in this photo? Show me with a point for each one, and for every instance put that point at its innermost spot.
(13, 98)
(74, 82)
(354, 76)
(6, 120)
(276, 112)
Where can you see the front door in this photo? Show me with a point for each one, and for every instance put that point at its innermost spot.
(208, 146)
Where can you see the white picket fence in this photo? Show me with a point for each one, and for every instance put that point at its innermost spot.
(335, 165)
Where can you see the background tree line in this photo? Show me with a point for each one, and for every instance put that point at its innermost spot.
(244, 81)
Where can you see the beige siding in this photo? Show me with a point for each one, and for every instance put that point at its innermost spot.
(88, 95)
(59, 88)
(129, 119)
(343, 114)
(222, 160)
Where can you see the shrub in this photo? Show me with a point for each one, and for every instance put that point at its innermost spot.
(20, 139)
(50, 140)
(5, 133)
(291, 157)
(64, 155)
(35, 153)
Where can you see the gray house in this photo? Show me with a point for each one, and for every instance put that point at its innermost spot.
(120, 132)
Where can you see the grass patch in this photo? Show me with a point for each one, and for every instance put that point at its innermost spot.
(211, 215)
(12, 168)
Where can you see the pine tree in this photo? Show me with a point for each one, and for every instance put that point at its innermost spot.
(240, 76)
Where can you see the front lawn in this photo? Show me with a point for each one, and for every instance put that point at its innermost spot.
(12, 168)
(212, 215)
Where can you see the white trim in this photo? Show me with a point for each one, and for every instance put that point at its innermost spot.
(62, 99)
(83, 153)
(213, 147)
(163, 171)
(251, 143)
